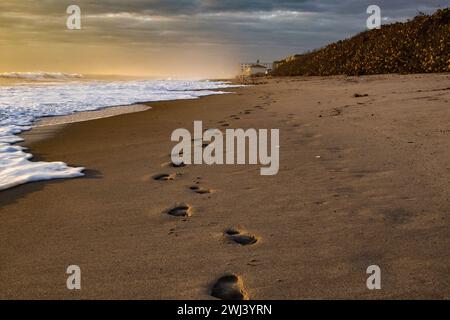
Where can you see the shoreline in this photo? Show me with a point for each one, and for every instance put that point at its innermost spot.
(90, 115)
(362, 181)
(45, 127)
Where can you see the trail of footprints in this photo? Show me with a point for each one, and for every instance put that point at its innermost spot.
(229, 286)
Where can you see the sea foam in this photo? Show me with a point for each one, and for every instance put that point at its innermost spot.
(21, 105)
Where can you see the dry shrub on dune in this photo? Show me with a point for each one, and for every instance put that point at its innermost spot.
(418, 46)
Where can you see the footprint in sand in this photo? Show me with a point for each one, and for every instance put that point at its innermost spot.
(239, 237)
(173, 165)
(180, 210)
(164, 177)
(200, 190)
(229, 287)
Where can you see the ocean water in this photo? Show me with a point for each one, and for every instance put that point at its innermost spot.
(23, 104)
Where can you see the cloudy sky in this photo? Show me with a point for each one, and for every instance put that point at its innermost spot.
(179, 38)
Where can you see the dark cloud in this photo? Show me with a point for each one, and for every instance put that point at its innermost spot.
(176, 7)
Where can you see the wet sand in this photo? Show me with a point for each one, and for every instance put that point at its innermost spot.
(363, 180)
(90, 115)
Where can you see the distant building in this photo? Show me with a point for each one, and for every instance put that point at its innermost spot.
(255, 70)
(244, 66)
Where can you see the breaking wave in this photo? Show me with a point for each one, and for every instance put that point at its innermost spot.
(40, 76)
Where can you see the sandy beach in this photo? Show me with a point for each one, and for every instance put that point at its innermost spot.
(364, 179)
